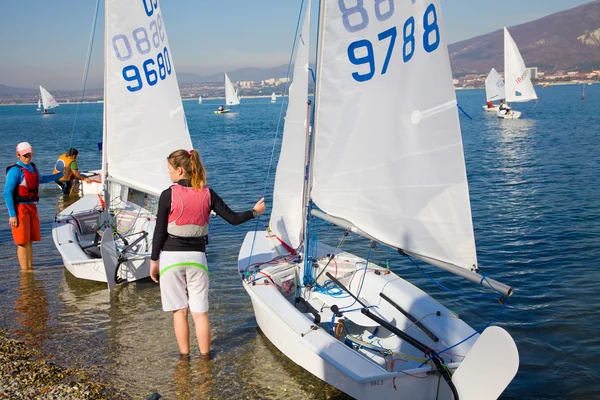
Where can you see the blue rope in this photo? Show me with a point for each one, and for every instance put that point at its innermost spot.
(362, 280)
(286, 88)
(86, 70)
(467, 338)
(464, 112)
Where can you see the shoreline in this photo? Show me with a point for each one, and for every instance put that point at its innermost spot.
(27, 373)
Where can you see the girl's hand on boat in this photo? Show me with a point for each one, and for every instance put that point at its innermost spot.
(259, 207)
(154, 270)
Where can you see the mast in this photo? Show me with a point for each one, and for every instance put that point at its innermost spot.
(311, 152)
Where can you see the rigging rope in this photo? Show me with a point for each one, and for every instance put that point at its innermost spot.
(286, 89)
(85, 72)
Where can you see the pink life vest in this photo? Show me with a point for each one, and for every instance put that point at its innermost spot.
(190, 211)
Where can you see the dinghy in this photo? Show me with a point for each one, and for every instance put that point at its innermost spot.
(39, 107)
(518, 86)
(199, 99)
(231, 96)
(108, 237)
(494, 90)
(48, 102)
(273, 98)
(384, 160)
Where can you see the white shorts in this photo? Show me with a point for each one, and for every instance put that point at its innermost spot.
(184, 280)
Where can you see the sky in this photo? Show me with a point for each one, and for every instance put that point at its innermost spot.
(46, 42)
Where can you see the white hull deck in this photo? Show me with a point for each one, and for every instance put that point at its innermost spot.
(87, 254)
(352, 357)
(493, 109)
(512, 115)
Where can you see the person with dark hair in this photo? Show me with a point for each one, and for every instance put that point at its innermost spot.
(179, 246)
(68, 160)
(20, 195)
(504, 107)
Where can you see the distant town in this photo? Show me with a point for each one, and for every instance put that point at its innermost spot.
(264, 88)
(538, 77)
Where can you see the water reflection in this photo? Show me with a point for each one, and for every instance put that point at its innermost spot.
(194, 379)
(32, 309)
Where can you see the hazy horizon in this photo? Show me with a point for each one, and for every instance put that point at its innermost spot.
(48, 45)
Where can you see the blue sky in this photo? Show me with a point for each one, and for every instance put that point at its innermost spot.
(45, 42)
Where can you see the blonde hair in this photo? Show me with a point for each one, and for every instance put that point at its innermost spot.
(191, 164)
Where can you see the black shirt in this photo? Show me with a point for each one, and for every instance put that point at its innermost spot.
(163, 241)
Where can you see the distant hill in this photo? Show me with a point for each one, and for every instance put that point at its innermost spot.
(11, 91)
(243, 74)
(566, 40)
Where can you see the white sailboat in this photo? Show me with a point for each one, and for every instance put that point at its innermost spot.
(384, 173)
(199, 99)
(494, 90)
(231, 97)
(48, 101)
(109, 238)
(273, 98)
(518, 86)
(39, 107)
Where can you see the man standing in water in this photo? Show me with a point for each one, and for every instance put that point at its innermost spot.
(68, 162)
(20, 195)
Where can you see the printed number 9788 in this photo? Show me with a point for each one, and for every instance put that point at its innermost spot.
(356, 18)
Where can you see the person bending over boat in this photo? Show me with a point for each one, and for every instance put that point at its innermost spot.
(68, 160)
(179, 245)
(490, 104)
(504, 107)
(20, 195)
(221, 108)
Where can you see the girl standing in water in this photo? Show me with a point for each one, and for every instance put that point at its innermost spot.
(179, 245)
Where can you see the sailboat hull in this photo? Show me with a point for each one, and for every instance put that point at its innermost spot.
(346, 362)
(512, 115)
(493, 109)
(75, 235)
(222, 112)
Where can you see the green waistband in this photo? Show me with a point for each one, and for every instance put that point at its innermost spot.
(185, 264)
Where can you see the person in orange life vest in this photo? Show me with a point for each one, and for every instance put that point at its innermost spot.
(490, 104)
(179, 245)
(68, 160)
(20, 195)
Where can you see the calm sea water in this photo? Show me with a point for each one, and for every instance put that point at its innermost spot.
(535, 195)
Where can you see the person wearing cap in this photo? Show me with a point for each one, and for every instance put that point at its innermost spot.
(68, 162)
(20, 195)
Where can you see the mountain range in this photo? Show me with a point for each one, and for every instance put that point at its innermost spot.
(566, 40)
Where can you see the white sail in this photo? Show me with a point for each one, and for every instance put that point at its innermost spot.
(287, 215)
(494, 86)
(516, 75)
(199, 99)
(144, 119)
(47, 100)
(231, 96)
(273, 98)
(39, 104)
(388, 153)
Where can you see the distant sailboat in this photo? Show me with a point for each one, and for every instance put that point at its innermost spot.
(273, 98)
(231, 97)
(199, 99)
(48, 101)
(518, 86)
(494, 89)
(583, 92)
(39, 104)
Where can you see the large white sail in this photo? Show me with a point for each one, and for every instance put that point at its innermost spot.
(388, 153)
(494, 86)
(287, 215)
(231, 97)
(144, 118)
(516, 75)
(47, 99)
